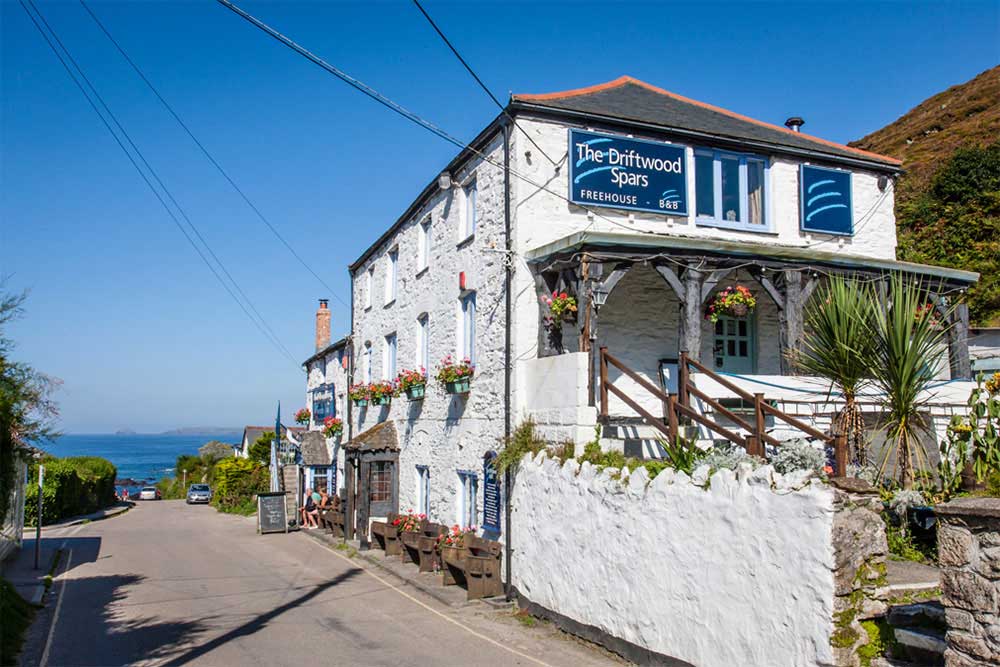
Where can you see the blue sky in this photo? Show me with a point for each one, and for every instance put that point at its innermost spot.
(124, 312)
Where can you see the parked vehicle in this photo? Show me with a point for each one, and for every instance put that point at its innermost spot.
(199, 493)
(149, 493)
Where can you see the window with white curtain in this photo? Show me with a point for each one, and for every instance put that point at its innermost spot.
(470, 195)
(369, 286)
(468, 491)
(467, 327)
(730, 190)
(391, 275)
(423, 490)
(423, 341)
(366, 363)
(389, 358)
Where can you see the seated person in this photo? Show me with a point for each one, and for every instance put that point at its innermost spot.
(308, 511)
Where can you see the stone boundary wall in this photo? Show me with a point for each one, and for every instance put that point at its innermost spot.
(969, 556)
(732, 568)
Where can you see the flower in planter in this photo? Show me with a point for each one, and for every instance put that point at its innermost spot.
(736, 301)
(303, 416)
(382, 392)
(409, 522)
(407, 380)
(455, 537)
(332, 427)
(451, 372)
(561, 306)
(359, 393)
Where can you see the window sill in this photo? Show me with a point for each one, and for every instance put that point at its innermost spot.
(368, 307)
(389, 303)
(422, 272)
(466, 241)
(734, 226)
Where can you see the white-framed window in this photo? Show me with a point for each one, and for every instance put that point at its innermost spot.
(731, 190)
(423, 341)
(389, 358)
(467, 493)
(391, 274)
(366, 363)
(424, 244)
(423, 490)
(467, 327)
(369, 286)
(470, 195)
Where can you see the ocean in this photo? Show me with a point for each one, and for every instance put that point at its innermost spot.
(145, 458)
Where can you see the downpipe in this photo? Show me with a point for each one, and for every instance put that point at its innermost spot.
(508, 286)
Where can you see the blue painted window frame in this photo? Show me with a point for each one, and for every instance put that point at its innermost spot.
(468, 498)
(802, 199)
(716, 220)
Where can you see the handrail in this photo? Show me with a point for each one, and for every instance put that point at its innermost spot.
(646, 384)
(742, 393)
(802, 426)
(732, 416)
(658, 424)
(711, 425)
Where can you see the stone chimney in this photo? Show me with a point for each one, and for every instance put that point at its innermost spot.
(323, 325)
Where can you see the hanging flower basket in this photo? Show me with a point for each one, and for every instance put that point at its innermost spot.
(381, 393)
(734, 301)
(359, 393)
(562, 308)
(456, 377)
(927, 312)
(332, 427)
(413, 383)
(303, 416)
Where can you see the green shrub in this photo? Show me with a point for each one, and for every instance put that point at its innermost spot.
(260, 450)
(15, 617)
(522, 441)
(73, 485)
(237, 481)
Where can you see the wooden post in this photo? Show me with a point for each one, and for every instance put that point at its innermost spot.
(693, 316)
(791, 321)
(672, 418)
(758, 421)
(682, 379)
(840, 455)
(751, 445)
(958, 343)
(604, 382)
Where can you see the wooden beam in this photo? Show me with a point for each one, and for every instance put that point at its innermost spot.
(608, 284)
(692, 315)
(713, 279)
(669, 274)
(808, 288)
(769, 287)
(958, 343)
(791, 321)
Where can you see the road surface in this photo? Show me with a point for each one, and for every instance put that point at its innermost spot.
(172, 584)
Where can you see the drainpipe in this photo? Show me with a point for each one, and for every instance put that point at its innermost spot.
(508, 286)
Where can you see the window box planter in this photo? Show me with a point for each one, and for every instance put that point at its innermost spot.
(360, 402)
(416, 392)
(458, 386)
(382, 400)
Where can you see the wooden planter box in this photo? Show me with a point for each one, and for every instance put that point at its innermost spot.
(427, 546)
(416, 392)
(384, 534)
(458, 387)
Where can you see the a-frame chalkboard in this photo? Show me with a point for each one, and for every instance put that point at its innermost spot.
(271, 517)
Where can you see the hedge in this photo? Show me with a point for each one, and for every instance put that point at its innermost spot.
(237, 481)
(72, 486)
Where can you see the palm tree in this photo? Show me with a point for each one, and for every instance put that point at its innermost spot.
(907, 336)
(836, 346)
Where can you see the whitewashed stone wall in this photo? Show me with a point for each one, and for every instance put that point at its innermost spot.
(556, 389)
(874, 220)
(740, 572)
(330, 371)
(446, 433)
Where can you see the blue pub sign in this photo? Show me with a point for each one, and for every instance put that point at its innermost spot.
(826, 200)
(634, 174)
(492, 504)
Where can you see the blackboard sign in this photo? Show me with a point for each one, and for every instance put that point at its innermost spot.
(491, 497)
(271, 516)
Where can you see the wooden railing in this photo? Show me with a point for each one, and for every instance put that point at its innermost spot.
(678, 406)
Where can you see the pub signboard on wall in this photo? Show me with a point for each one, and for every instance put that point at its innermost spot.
(826, 200)
(620, 172)
(491, 497)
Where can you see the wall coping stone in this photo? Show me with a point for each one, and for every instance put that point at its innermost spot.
(984, 507)
(853, 485)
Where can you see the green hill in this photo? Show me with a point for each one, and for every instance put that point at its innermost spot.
(948, 201)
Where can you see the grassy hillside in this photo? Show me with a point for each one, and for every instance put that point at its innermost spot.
(948, 202)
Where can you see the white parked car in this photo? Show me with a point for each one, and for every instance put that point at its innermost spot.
(149, 493)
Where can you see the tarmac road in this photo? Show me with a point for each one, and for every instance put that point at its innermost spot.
(172, 584)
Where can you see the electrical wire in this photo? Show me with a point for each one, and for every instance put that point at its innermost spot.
(265, 330)
(208, 155)
(482, 85)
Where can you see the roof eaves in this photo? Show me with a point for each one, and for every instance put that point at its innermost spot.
(624, 80)
(327, 350)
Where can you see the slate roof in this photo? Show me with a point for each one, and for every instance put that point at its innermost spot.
(313, 449)
(251, 433)
(629, 99)
(378, 438)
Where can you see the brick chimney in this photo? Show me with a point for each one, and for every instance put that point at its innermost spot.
(323, 325)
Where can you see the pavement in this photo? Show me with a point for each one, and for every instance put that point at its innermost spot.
(173, 584)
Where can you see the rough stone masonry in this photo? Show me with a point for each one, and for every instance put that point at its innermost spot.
(969, 556)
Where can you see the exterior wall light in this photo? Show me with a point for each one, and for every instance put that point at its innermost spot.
(600, 297)
(444, 180)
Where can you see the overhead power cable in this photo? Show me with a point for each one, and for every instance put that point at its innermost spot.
(261, 325)
(209, 156)
(482, 85)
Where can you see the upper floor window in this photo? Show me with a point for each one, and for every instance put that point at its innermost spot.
(369, 286)
(469, 219)
(423, 245)
(467, 327)
(730, 190)
(423, 490)
(389, 358)
(423, 341)
(366, 363)
(391, 275)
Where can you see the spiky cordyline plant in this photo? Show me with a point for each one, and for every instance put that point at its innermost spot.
(835, 346)
(906, 348)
